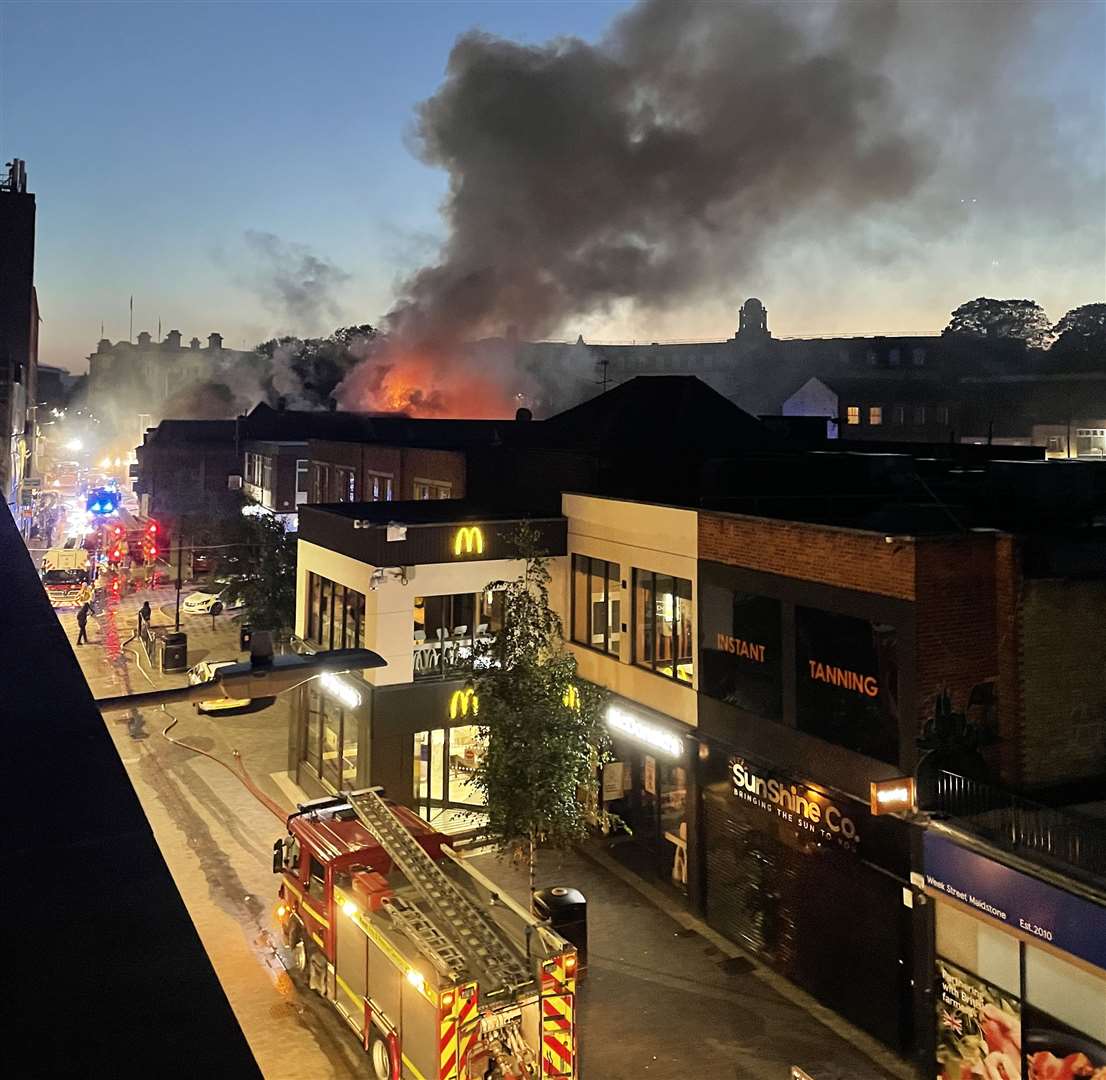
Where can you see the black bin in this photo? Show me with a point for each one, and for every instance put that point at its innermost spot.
(567, 912)
(174, 651)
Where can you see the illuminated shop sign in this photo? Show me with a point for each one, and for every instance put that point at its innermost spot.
(623, 722)
(463, 702)
(342, 692)
(468, 540)
(809, 811)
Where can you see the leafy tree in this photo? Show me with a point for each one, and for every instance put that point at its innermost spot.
(318, 364)
(544, 736)
(261, 572)
(1081, 334)
(1019, 320)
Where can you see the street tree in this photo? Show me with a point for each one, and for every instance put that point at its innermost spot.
(260, 569)
(1081, 335)
(1007, 320)
(543, 734)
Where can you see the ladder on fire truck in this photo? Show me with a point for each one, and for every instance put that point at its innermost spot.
(482, 943)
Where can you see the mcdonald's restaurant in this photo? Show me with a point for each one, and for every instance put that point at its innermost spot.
(420, 583)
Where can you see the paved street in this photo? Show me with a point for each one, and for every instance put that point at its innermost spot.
(660, 1000)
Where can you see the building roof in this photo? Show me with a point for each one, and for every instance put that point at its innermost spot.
(423, 512)
(651, 411)
(101, 921)
(192, 431)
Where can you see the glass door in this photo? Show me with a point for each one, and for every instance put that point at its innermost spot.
(430, 761)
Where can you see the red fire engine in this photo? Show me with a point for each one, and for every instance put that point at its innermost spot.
(441, 976)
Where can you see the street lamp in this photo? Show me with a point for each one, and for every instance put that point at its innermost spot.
(259, 679)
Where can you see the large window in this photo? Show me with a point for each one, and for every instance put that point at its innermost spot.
(595, 603)
(447, 629)
(378, 487)
(432, 489)
(335, 614)
(663, 624)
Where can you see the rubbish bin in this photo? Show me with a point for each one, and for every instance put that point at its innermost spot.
(567, 912)
(174, 651)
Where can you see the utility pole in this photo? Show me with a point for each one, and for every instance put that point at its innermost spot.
(180, 560)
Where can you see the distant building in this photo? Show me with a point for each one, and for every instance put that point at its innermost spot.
(18, 338)
(127, 378)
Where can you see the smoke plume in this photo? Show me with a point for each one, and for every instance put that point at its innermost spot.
(694, 140)
(293, 281)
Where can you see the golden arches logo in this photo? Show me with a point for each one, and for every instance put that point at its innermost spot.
(462, 702)
(571, 697)
(468, 540)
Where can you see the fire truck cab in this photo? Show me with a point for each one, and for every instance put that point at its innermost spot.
(440, 976)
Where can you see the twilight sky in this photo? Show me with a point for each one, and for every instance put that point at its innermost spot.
(212, 158)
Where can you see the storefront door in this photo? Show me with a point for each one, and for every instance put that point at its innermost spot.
(445, 760)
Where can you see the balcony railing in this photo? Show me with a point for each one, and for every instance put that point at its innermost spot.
(447, 654)
(1067, 840)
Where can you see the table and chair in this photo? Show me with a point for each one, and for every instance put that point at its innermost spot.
(446, 649)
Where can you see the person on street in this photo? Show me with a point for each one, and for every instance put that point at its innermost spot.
(144, 615)
(82, 623)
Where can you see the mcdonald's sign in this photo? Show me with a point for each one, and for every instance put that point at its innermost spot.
(463, 702)
(468, 540)
(572, 697)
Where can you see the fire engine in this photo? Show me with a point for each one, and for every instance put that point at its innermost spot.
(441, 976)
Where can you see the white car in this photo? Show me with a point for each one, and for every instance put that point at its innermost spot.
(200, 603)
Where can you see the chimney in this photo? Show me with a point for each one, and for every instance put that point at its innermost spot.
(523, 415)
(172, 339)
(215, 342)
(332, 404)
(194, 343)
(143, 339)
(282, 404)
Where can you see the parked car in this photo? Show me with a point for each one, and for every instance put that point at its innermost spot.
(201, 603)
(203, 562)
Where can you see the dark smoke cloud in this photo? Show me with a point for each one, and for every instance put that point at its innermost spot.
(295, 282)
(581, 175)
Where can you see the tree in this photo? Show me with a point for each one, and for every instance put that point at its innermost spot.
(543, 733)
(1081, 336)
(1017, 320)
(261, 572)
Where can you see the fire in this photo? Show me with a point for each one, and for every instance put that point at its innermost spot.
(424, 386)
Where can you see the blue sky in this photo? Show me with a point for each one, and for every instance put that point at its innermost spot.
(157, 134)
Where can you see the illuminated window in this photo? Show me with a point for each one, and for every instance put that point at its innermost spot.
(663, 624)
(378, 487)
(595, 603)
(875, 415)
(852, 414)
(432, 489)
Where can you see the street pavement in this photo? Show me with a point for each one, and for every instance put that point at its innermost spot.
(663, 999)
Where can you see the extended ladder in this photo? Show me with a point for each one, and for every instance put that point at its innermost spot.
(482, 943)
(441, 952)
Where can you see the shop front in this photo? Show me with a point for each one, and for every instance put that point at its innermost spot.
(420, 742)
(1020, 980)
(646, 787)
(806, 878)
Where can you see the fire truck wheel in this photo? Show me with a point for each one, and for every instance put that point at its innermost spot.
(384, 1067)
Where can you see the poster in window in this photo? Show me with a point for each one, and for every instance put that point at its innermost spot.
(847, 682)
(978, 1028)
(612, 781)
(739, 649)
(1055, 1050)
(649, 775)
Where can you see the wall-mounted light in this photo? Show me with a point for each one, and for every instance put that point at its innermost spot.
(893, 796)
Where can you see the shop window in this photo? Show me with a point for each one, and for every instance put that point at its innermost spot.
(1070, 994)
(335, 614)
(663, 624)
(596, 589)
(447, 631)
(875, 415)
(330, 739)
(852, 414)
(975, 946)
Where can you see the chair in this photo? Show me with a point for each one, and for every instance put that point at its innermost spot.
(460, 631)
(482, 629)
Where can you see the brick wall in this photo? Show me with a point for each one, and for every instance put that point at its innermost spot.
(443, 466)
(956, 645)
(1063, 680)
(846, 558)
